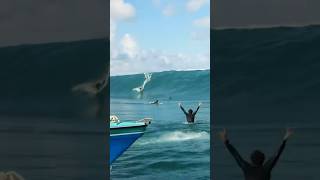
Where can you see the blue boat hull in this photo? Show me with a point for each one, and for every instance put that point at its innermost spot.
(120, 143)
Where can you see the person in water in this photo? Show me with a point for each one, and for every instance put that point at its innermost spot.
(155, 102)
(258, 168)
(190, 115)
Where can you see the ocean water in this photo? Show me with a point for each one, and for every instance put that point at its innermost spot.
(267, 80)
(47, 130)
(170, 148)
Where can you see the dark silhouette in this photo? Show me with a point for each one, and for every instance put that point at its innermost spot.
(190, 115)
(98, 90)
(258, 169)
(101, 84)
(155, 102)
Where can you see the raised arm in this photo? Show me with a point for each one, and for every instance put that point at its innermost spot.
(184, 111)
(274, 159)
(197, 109)
(240, 161)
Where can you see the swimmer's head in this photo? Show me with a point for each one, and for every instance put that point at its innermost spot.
(190, 111)
(257, 157)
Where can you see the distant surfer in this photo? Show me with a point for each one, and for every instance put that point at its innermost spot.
(155, 102)
(257, 169)
(190, 115)
(147, 78)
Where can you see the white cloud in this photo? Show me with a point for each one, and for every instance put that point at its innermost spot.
(202, 22)
(120, 10)
(168, 10)
(129, 46)
(156, 61)
(128, 58)
(195, 5)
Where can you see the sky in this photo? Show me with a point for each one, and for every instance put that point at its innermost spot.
(159, 35)
(43, 21)
(264, 13)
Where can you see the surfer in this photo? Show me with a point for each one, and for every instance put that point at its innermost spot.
(147, 78)
(258, 169)
(190, 115)
(155, 102)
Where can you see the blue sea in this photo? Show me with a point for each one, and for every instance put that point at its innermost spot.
(265, 80)
(170, 148)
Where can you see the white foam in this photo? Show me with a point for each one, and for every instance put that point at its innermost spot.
(177, 136)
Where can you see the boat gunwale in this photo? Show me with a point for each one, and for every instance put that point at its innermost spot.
(127, 127)
(124, 134)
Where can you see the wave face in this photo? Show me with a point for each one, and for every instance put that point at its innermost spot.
(43, 121)
(37, 80)
(187, 85)
(267, 80)
(271, 73)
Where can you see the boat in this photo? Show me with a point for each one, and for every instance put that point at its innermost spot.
(124, 134)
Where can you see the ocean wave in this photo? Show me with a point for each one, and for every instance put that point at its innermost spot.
(47, 79)
(272, 73)
(169, 85)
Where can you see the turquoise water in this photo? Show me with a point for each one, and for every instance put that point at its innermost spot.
(170, 146)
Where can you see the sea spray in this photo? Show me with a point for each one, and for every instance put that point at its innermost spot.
(176, 136)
